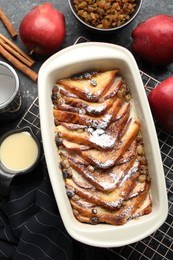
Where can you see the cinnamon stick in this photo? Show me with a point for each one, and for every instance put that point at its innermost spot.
(16, 51)
(8, 24)
(18, 64)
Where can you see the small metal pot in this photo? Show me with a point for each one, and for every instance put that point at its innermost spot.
(12, 103)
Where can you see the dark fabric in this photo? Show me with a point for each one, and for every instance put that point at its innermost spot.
(30, 225)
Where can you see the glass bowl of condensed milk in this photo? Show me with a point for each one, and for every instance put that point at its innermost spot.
(20, 152)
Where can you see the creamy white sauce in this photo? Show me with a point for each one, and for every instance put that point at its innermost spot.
(19, 151)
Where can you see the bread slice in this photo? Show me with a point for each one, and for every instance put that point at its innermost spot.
(93, 138)
(90, 88)
(74, 134)
(106, 180)
(106, 159)
(101, 121)
(114, 88)
(94, 214)
(84, 107)
(89, 137)
(66, 101)
(144, 209)
(113, 199)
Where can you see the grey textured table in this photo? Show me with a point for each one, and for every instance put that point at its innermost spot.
(160, 244)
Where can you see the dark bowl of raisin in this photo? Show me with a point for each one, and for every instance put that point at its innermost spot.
(105, 16)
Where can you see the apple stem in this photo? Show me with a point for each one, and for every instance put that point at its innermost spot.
(31, 52)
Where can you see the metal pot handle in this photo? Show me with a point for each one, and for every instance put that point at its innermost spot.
(5, 181)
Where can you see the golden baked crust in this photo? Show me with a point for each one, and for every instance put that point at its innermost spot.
(82, 84)
(101, 148)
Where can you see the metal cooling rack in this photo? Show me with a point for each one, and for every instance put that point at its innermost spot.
(159, 245)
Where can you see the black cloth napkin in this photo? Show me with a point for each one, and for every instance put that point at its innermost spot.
(31, 227)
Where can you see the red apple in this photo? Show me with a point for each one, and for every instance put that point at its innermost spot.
(42, 30)
(161, 102)
(152, 39)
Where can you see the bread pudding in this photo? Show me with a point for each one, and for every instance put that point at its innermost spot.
(100, 144)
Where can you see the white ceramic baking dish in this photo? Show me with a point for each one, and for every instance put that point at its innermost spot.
(83, 57)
